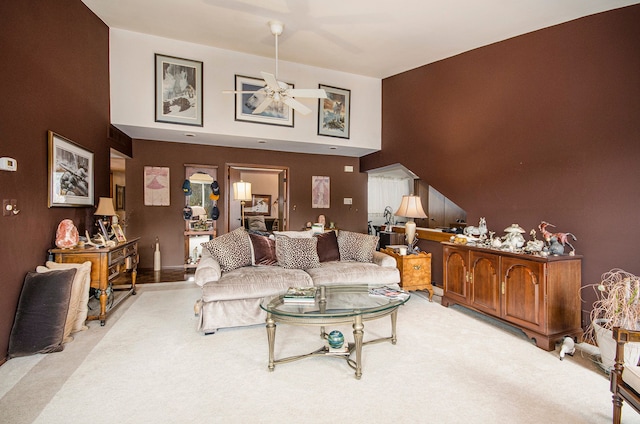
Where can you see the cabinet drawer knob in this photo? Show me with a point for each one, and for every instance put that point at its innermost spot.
(417, 267)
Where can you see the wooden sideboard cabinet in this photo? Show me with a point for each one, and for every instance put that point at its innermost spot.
(112, 268)
(541, 296)
(415, 270)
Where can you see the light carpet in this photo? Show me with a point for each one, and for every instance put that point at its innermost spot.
(149, 365)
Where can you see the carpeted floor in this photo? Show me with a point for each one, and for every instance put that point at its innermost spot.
(148, 365)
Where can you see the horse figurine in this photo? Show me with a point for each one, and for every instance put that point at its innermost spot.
(480, 231)
(562, 238)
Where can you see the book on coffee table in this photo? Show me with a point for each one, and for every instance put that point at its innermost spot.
(300, 295)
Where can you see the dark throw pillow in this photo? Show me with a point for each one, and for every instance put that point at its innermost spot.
(328, 246)
(264, 250)
(42, 312)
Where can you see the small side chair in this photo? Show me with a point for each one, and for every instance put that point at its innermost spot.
(625, 378)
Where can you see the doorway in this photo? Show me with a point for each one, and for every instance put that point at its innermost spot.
(268, 184)
(118, 183)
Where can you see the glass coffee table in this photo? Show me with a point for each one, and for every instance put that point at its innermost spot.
(333, 305)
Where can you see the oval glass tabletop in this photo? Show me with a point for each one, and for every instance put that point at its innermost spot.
(338, 301)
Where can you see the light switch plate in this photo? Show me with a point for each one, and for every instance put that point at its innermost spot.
(348, 201)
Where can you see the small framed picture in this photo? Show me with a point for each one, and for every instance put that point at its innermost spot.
(117, 230)
(178, 84)
(70, 173)
(260, 205)
(334, 112)
(320, 192)
(277, 113)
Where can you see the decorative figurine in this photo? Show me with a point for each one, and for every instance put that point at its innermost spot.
(480, 231)
(534, 246)
(514, 239)
(67, 235)
(561, 238)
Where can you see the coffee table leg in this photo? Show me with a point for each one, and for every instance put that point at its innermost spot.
(271, 337)
(358, 333)
(394, 319)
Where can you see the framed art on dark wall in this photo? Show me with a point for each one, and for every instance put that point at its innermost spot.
(277, 113)
(334, 112)
(70, 173)
(260, 205)
(178, 86)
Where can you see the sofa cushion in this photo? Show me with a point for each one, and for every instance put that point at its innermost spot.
(356, 246)
(38, 326)
(351, 272)
(295, 234)
(79, 302)
(297, 253)
(254, 282)
(231, 250)
(264, 250)
(256, 223)
(328, 246)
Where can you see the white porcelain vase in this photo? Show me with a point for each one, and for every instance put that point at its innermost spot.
(607, 346)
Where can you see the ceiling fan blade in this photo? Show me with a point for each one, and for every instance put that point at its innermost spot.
(316, 93)
(271, 81)
(263, 106)
(296, 105)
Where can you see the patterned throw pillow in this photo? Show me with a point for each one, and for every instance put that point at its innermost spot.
(297, 253)
(356, 246)
(231, 250)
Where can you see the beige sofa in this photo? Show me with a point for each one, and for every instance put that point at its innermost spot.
(238, 270)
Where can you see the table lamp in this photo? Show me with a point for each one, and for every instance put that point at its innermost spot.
(105, 211)
(410, 207)
(242, 192)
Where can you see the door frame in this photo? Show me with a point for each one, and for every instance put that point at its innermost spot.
(232, 174)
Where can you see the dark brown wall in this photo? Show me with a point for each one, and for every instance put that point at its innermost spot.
(167, 222)
(55, 57)
(545, 126)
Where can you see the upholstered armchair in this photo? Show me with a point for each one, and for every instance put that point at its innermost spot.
(625, 378)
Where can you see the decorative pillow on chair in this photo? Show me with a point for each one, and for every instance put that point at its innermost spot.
(79, 303)
(356, 246)
(256, 223)
(297, 253)
(264, 250)
(42, 311)
(231, 250)
(328, 246)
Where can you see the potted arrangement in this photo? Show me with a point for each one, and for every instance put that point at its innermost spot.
(617, 305)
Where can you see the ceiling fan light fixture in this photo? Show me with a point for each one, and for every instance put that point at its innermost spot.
(276, 27)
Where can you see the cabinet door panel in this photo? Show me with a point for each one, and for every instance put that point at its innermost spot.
(523, 293)
(484, 282)
(455, 274)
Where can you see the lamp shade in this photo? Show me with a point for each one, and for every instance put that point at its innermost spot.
(411, 207)
(242, 191)
(105, 207)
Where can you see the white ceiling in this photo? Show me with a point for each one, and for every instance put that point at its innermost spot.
(364, 37)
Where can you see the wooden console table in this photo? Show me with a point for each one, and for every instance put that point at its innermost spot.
(116, 265)
(538, 295)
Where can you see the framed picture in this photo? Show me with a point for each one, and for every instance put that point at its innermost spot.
(156, 186)
(334, 111)
(178, 85)
(276, 114)
(260, 205)
(320, 192)
(70, 173)
(117, 230)
(119, 197)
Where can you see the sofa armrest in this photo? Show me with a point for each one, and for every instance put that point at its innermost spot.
(384, 260)
(208, 269)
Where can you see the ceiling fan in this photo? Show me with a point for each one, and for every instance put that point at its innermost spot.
(278, 91)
